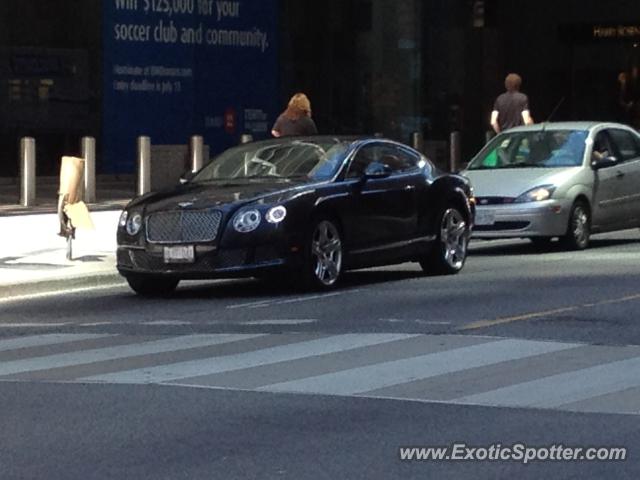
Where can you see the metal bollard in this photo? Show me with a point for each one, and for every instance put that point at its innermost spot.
(417, 141)
(246, 138)
(454, 151)
(27, 171)
(144, 165)
(197, 153)
(88, 152)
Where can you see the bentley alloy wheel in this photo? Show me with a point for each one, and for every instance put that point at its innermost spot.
(453, 235)
(450, 251)
(326, 253)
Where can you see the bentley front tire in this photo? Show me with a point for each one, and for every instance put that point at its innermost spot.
(152, 285)
(449, 253)
(322, 267)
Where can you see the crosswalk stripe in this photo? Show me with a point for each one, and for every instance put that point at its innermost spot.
(380, 375)
(195, 368)
(120, 351)
(47, 339)
(564, 388)
(480, 370)
(262, 375)
(625, 401)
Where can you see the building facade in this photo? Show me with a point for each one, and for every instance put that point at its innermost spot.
(116, 69)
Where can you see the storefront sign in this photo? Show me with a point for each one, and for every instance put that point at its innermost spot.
(177, 68)
(598, 32)
(618, 31)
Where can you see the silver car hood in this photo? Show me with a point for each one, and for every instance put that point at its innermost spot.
(513, 182)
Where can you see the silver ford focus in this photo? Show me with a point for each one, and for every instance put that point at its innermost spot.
(565, 180)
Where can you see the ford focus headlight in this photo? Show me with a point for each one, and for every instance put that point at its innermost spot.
(537, 194)
(134, 224)
(246, 221)
(276, 214)
(123, 219)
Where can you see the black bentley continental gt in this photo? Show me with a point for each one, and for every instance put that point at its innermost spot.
(306, 207)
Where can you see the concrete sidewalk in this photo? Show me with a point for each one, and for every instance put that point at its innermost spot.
(33, 257)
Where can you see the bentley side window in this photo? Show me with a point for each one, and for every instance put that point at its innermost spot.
(400, 161)
(366, 155)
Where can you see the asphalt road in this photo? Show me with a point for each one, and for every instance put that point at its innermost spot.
(244, 379)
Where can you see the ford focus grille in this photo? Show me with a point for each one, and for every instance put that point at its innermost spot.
(189, 226)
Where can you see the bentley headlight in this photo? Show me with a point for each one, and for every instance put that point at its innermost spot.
(246, 221)
(537, 194)
(134, 224)
(123, 219)
(276, 214)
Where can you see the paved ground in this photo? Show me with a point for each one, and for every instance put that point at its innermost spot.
(242, 379)
(457, 369)
(72, 431)
(34, 257)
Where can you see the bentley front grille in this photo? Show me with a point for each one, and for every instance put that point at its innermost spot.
(188, 226)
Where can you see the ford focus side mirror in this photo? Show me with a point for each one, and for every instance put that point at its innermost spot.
(605, 162)
(377, 170)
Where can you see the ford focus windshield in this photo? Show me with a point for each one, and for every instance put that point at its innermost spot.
(532, 149)
(290, 159)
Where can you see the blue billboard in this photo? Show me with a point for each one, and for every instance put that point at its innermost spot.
(177, 68)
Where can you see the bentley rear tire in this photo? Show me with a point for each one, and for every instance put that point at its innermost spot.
(449, 253)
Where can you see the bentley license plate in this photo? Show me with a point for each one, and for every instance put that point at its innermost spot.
(485, 217)
(179, 254)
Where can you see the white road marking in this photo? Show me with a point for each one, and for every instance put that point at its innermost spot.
(386, 374)
(569, 387)
(34, 325)
(289, 321)
(167, 323)
(269, 303)
(48, 339)
(408, 320)
(119, 351)
(266, 356)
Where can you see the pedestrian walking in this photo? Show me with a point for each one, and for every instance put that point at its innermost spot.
(511, 108)
(296, 119)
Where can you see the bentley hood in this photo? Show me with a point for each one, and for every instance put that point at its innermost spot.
(224, 195)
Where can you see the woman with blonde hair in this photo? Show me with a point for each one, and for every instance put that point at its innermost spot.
(296, 119)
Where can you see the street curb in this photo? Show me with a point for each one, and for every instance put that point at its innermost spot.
(60, 284)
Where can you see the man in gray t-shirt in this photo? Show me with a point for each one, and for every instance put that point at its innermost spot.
(512, 107)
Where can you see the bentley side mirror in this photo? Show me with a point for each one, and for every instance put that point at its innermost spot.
(377, 170)
(605, 162)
